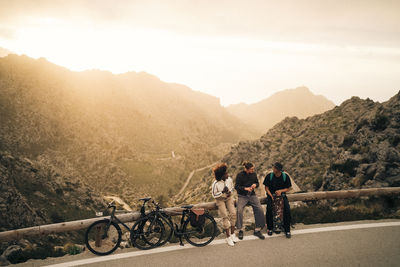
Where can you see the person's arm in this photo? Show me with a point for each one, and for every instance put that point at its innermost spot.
(280, 191)
(269, 192)
(229, 184)
(239, 183)
(255, 182)
(288, 185)
(215, 192)
(267, 185)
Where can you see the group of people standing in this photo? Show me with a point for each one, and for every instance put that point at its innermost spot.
(276, 183)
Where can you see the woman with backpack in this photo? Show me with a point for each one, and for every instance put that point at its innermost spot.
(221, 190)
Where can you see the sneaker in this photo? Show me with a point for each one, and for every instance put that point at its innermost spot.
(234, 238)
(240, 234)
(269, 232)
(288, 235)
(259, 235)
(229, 241)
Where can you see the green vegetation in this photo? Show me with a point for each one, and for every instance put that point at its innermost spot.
(394, 140)
(317, 182)
(348, 141)
(348, 167)
(380, 122)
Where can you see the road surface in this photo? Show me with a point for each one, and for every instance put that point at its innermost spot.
(363, 243)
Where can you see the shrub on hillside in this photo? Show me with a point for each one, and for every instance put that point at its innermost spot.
(347, 167)
(380, 122)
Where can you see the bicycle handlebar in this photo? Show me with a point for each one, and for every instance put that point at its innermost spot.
(111, 204)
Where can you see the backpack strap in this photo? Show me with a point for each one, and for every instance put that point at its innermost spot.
(284, 176)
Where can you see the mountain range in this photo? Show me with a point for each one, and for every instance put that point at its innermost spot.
(128, 134)
(354, 145)
(299, 102)
(110, 130)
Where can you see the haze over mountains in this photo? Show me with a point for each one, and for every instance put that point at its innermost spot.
(299, 102)
(112, 134)
(4, 52)
(110, 130)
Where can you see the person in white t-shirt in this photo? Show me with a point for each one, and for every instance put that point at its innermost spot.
(222, 192)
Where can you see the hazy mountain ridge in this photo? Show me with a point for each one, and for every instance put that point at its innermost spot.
(354, 145)
(299, 102)
(109, 130)
(4, 52)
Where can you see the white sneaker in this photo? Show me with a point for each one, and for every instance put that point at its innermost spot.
(234, 238)
(229, 241)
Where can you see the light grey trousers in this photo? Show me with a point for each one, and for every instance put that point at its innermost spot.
(257, 210)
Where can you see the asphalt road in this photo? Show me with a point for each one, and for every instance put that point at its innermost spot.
(345, 244)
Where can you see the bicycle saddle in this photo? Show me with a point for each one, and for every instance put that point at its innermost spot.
(145, 199)
(187, 207)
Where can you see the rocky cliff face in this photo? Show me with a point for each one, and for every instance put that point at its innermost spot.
(354, 145)
(33, 193)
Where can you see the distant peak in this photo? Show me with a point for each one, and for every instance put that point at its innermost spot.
(302, 89)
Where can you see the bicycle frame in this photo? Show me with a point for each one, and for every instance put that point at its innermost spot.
(114, 218)
(177, 229)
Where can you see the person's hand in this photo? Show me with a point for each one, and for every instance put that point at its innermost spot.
(253, 186)
(272, 197)
(249, 189)
(278, 192)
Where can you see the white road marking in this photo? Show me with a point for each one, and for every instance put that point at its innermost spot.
(218, 242)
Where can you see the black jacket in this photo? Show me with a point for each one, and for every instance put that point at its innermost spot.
(245, 180)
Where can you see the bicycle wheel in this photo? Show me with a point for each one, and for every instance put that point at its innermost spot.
(147, 233)
(200, 235)
(169, 230)
(103, 237)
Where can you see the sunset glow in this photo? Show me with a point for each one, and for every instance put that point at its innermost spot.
(224, 65)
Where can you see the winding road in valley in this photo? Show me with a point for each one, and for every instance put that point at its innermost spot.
(191, 175)
(120, 201)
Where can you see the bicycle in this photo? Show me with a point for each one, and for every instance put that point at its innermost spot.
(103, 237)
(196, 235)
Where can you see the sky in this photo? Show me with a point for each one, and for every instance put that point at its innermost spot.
(239, 51)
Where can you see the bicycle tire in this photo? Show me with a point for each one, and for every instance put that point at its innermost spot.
(147, 233)
(101, 243)
(202, 235)
(167, 235)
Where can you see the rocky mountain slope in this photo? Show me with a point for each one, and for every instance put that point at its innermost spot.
(33, 193)
(113, 132)
(299, 102)
(354, 145)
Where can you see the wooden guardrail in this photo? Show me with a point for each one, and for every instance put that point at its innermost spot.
(129, 217)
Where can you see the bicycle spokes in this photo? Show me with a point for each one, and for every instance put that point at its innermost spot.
(102, 237)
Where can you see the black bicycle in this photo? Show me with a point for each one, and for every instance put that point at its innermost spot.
(197, 235)
(104, 236)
